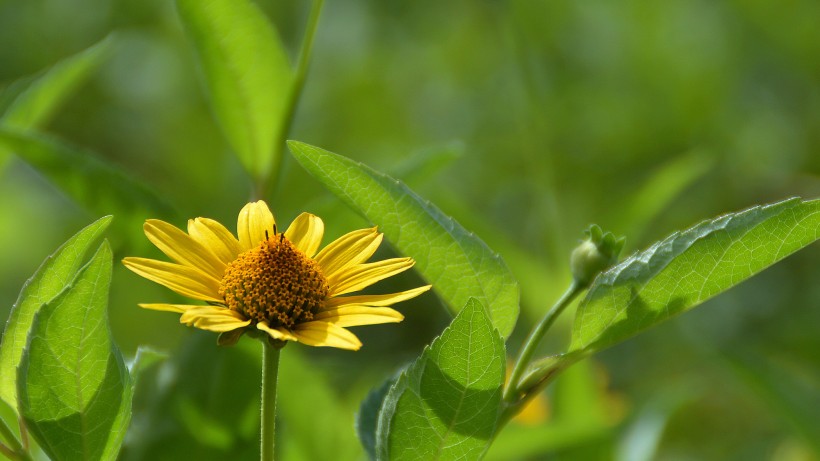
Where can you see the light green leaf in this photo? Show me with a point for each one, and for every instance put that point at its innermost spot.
(94, 184)
(36, 104)
(689, 267)
(74, 389)
(458, 264)
(445, 405)
(247, 74)
(51, 278)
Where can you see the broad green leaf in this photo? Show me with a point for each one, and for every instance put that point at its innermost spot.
(36, 104)
(74, 389)
(458, 264)
(247, 75)
(94, 184)
(446, 404)
(689, 267)
(51, 278)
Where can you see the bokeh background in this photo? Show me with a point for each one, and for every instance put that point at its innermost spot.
(524, 120)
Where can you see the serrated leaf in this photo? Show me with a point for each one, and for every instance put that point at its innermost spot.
(458, 264)
(247, 75)
(689, 267)
(446, 404)
(36, 104)
(51, 278)
(97, 186)
(367, 418)
(74, 389)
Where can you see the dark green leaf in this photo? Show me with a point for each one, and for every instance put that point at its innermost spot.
(446, 404)
(367, 418)
(74, 389)
(689, 267)
(247, 72)
(50, 279)
(458, 264)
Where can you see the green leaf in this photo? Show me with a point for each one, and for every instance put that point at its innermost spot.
(689, 267)
(458, 264)
(96, 185)
(367, 419)
(446, 404)
(36, 104)
(247, 74)
(51, 278)
(74, 389)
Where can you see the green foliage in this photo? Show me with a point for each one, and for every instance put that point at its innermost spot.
(445, 405)
(53, 276)
(689, 267)
(248, 76)
(74, 389)
(455, 261)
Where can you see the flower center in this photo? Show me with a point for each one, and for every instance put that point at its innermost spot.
(274, 283)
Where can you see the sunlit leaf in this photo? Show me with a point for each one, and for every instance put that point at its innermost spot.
(689, 267)
(74, 389)
(247, 73)
(96, 185)
(446, 404)
(50, 279)
(458, 264)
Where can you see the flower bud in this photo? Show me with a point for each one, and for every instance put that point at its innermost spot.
(594, 255)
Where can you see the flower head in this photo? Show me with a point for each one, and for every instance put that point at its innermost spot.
(278, 284)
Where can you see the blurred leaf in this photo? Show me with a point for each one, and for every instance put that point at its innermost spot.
(367, 419)
(94, 184)
(423, 165)
(790, 388)
(446, 404)
(74, 389)
(36, 104)
(247, 73)
(643, 436)
(689, 267)
(50, 279)
(146, 357)
(531, 442)
(458, 264)
(663, 186)
(304, 392)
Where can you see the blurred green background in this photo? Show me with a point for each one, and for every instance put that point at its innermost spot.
(524, 120)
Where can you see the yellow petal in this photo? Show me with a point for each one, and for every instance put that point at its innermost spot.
(363, 275)
(182, 279)
(178, 308)
(351, 316)
(305, 232)
(375, 300)
(180, 247)
(276, 333)
(254, 220)
(348, 250)
(211, 318)
(326, 334)
(214, 237)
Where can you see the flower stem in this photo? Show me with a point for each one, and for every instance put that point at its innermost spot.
(525, 357)
(270, 372)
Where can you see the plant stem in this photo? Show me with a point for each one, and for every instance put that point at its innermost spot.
(270, 372)
(525, 357)
(9, 437)
(298, 84)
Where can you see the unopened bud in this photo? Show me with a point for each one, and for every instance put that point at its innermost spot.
(594, 255)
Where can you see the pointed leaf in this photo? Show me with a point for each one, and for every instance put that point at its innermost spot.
(458, 264)
(247, 73)
(51, 278)
(689, 267)
(446, 404)
(74, 389)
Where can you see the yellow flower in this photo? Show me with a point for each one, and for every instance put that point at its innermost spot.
(276, 283)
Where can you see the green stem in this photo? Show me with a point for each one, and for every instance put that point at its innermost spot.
(9, 436)
(270, 371)
(525, 357)
(298, 84)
